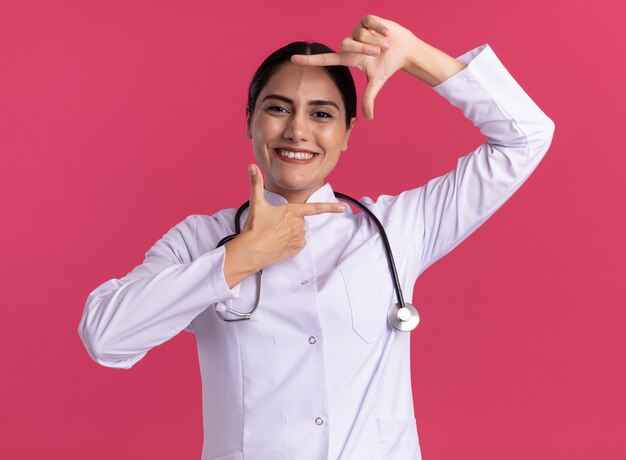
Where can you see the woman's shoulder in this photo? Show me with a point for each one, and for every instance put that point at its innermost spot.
(209, 229)
(221, 217)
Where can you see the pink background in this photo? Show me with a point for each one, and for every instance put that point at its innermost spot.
(120, 118)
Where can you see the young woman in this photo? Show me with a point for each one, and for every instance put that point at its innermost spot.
(321, 374)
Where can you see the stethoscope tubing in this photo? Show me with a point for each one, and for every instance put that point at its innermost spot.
(370, 214)
(407, 323)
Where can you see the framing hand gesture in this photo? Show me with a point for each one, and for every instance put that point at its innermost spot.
(378, 47)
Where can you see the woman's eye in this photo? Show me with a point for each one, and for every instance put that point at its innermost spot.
(276, 108)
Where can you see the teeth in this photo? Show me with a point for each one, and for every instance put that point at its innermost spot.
(296, 155)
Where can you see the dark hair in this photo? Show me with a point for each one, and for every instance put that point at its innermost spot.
(340, 75)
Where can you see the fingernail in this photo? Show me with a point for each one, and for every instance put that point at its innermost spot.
(374, 51)
(251, 170)
(341, 208)
(386, 46)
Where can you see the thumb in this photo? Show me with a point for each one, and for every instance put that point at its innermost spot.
(257, 197)
(367, 102)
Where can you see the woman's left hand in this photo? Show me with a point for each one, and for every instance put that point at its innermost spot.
(378, 47)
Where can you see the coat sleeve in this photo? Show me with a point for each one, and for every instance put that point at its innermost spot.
(124, 318)
(447, 209)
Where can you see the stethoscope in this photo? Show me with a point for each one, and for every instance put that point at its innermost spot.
(402, 316)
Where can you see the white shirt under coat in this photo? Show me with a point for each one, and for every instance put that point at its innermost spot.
(321, 375)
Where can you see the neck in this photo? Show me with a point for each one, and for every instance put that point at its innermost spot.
(293, 196)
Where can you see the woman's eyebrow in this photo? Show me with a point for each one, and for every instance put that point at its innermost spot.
(290, 101)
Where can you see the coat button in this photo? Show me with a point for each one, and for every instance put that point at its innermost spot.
(312, 340)
(318, 421)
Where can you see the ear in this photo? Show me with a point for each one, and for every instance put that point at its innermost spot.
(248, 116)
(344, 147)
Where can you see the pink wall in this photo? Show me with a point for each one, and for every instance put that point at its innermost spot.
(120, 118)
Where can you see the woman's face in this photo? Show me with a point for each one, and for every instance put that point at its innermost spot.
(298, 130)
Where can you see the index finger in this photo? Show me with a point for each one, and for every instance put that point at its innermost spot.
(324, 59)
(311, 209)
(374, 23)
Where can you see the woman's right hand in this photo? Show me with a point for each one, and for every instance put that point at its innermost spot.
(270, 234)
(380, 47)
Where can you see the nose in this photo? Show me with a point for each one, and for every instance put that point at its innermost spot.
(297, 128)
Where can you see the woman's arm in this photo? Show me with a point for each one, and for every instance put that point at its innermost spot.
(124, 318)
(429, 64)
(439, 215)
(447, 209)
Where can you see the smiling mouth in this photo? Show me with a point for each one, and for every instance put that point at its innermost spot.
(293, 156)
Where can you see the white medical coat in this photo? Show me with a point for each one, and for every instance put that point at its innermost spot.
(321, 375)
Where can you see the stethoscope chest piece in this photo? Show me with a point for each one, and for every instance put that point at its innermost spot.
(403, 319)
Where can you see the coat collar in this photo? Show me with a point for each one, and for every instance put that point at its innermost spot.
(324, 194)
